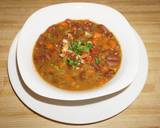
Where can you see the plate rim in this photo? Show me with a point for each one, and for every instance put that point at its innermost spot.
(71, 121)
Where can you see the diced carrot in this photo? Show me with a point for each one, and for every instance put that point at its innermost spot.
(105, 69)
(64, 24)
(50, 70)
(106, 46)
(112, 43)
(69, 78)
(97, 35)
(49, 46)
(102, 81)
(94, 42)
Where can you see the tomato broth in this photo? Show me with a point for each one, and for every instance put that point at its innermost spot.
(77, 55)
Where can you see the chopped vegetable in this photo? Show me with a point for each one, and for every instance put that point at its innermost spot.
(73, 62)
(88, 47)
(64, 24)
(97, 61)
(97, 35)
(79, 46)
(49, 46)
(87, 34)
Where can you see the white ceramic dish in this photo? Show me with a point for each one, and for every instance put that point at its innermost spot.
(43, 18)
(80, 114)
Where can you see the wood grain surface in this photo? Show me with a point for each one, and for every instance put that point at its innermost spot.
(143, 15)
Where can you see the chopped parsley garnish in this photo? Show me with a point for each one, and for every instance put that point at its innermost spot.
(96, 60)
(80, 46)
(88, 47)
(73, 62)
(76, 49)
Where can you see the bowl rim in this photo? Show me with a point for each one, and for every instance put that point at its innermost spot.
(71, 95)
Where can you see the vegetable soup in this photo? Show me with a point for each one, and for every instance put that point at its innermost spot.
(77, 55)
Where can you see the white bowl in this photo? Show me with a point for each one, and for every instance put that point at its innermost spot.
(39, 21)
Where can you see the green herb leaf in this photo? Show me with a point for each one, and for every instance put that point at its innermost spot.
(79, 46)
(70, 61)
(88, 47)
(97, 61)
(73, 62)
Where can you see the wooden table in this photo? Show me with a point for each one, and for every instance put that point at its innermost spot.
(144, 16)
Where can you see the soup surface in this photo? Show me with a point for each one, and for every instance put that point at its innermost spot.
(77, 55)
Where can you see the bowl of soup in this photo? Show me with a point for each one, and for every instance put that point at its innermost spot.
(77, 51)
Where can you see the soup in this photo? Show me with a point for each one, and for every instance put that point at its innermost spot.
(77, 55)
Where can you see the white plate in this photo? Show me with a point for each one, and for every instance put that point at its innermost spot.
(85, 113)
(47, 16)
